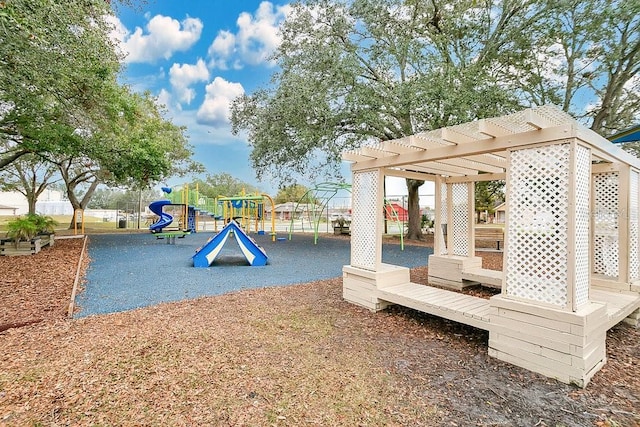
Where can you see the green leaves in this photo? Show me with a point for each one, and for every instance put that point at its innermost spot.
(47, 77)
(224, 184)
(60, 100)
(353, 72)
(21, 229)
(358, 71)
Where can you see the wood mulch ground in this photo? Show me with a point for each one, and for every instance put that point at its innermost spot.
(280, 356)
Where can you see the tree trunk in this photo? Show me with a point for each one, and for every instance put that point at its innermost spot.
(77, 203)
(414, 231)
(32, 205)
(33, 195)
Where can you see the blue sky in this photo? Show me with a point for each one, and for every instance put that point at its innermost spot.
(196, 56)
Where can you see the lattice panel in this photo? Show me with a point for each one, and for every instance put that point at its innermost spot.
(582, 173)
(460, 218)
(364, 191)
(538, 203)
(606, 207)
(444, 215)
(634, 217)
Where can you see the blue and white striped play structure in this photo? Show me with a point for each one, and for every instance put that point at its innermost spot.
(255, 255)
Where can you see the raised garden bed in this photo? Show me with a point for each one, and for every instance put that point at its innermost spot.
(33, 246)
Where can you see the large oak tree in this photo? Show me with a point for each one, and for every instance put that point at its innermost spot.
(352, 72)
(60, 100)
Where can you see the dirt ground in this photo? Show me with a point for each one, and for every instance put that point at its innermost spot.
(280, 356)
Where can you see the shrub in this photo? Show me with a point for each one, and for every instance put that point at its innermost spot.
(29, 226)
(21, 228)
(44, 224)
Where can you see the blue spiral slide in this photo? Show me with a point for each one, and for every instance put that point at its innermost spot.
(255, 255)
(164, 218)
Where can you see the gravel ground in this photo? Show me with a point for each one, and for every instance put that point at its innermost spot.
(130, 271)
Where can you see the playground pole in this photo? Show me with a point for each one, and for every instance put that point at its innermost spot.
(139, 205)
(197, 204)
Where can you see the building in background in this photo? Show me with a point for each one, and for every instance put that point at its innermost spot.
(50, 202)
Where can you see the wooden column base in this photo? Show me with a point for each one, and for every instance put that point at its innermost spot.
(446, 270)
(360, 286)
(567, 346)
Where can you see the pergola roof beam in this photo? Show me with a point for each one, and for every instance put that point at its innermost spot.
(490, 159)
(534, 119)
(488, 145)
(446, 168)
(352, 156)
(433, 171)
(610, 152)
(485, 142)
(468, 163)
(477, 178)
(399, 148)
(420, 176)
(426, 142)
(457, 137)
(375, 152)
(493, 129)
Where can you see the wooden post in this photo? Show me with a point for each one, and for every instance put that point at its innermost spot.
(78, 217)
(437, 235)
(623, 223)
(366, 274)
(553, 329)
(472, 210)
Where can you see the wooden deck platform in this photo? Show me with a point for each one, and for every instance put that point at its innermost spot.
(474, 311)
(489, 278)
(451, 305)
(619, 305)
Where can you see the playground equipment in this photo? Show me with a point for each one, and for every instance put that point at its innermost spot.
(316, 201)
(317, 198)
(391, 213)
(255, 255)
(164, 218)
(249, 209)
(167, 213)
(571, 244)
(199, 207)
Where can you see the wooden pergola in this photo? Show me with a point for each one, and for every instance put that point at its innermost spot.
(572, 240)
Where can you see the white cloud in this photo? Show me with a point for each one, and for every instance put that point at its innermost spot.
(223, 47)
(183, 76)
(163, 37)
(215, 110)
(256, 39)
(164, 98)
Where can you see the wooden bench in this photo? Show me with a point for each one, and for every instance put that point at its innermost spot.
(490, 234)
(341, 227)
(483, 276)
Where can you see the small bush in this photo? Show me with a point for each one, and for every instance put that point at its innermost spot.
(27, 227)
(44, 224)
(21, 228)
